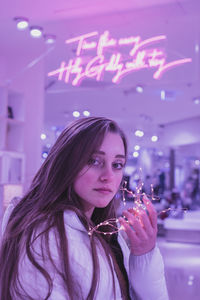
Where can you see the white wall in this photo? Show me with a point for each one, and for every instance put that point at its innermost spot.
(29, 81)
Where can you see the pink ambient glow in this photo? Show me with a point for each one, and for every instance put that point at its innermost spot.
(141, 55)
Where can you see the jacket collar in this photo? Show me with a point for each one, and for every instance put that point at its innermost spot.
(72, 220)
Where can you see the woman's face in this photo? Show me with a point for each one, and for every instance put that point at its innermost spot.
(98, 182)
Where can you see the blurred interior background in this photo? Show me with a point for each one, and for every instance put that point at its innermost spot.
(156, 102)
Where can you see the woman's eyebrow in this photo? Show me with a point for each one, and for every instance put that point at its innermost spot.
(120, 156)
(103, 153)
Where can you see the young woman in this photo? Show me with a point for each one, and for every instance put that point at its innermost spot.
(46, 251)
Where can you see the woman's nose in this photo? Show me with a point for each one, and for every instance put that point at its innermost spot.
(106, 174)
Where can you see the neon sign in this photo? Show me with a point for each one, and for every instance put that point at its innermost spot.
(108, 58)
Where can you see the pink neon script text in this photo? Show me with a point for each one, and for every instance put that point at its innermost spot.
(139, 57)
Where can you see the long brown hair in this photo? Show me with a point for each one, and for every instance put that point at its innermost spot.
(50, 194)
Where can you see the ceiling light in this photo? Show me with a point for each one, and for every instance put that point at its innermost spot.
(197, 162)
(162, 95)
(76, 114)
(22, 23)
(139, 133)
(139, 89)
(196, 48)
(43, 136)
(135, 154)
(196, 100)
(49, 38)
(137, 147)
(154, 138)
(44, 154)
(86, 113)
(160, 153)
(36, 31)
(167, 165)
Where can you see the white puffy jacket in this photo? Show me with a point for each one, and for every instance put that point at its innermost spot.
(145, 272)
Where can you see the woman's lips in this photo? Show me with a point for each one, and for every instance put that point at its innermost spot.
(103, 191)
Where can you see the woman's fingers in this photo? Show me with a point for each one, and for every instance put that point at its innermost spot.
(141, 228)
(136, 223)
(129, 231)
(147, 225)
(151, 210)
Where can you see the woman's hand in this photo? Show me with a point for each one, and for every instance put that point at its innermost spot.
(141, 228)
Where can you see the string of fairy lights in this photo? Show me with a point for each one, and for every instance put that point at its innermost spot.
(138, 205)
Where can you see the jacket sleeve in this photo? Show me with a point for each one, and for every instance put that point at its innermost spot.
(146, 276)
(32, 284)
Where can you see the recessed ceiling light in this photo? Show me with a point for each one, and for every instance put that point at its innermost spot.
(167, 165)
(154, 138)
(44, 154)
(36, 31)
(160, 153)
(196, 48)
(197, 162)
(139, 133)
(135, 154)
(86, 113)
(137, 147)
(162, 95)
(49, 38)
(22, 23)
(43, 136)
(76, 114)
(196, 100)
(139, 89)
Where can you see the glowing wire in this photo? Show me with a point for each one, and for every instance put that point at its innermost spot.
(137, 206)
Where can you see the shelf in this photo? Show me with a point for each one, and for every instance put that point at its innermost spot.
(2, 133)
(15, 136)
(15, 107)
(3, 102)
(8, 192)
(14, 121)
(12, 159)
(11, 167)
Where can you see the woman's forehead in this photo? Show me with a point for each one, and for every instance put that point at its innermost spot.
(112, 143)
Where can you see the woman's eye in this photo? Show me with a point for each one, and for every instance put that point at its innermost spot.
(118, 165)
(94, 162)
